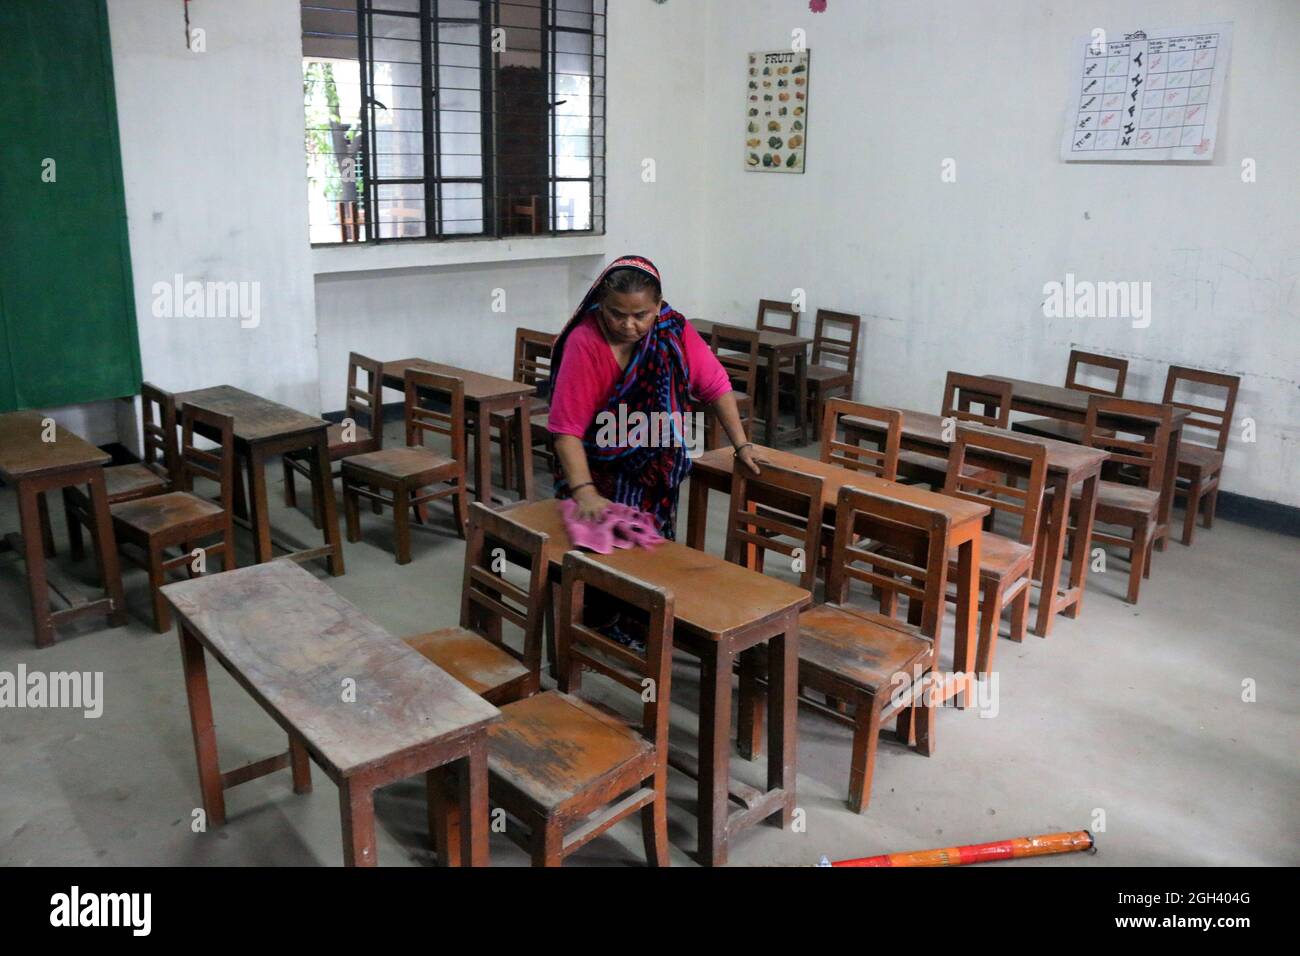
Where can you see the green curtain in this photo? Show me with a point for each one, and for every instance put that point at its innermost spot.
(67, 313)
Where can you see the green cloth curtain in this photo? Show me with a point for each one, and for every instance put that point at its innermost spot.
(67, 313)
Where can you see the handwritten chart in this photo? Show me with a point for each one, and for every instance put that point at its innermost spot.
(1147, 96)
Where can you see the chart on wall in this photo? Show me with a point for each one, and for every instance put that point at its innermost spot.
(1147, 96)
(776, 111)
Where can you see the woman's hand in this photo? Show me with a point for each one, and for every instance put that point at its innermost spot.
(745, 455)
(591, 503)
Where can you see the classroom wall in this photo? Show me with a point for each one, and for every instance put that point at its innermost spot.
(212, 157)
(951, 275)
(654, 76)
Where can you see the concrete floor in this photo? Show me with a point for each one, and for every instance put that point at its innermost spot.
(1136, 713)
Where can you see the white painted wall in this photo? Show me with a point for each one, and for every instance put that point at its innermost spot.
(212, 156)
(950, 276)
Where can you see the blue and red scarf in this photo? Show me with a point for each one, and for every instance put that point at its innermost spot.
(656, 379)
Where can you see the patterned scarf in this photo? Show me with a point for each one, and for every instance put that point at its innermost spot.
(656, 380)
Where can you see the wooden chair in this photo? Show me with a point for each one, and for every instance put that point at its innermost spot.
(961, 395)
(475, 653)
(737, 351)
(182, 518)
(404, 473)
(1141, 457)
(789, 324)
(872, 665)
(349, 437)
(569, 770)
(1073, 431)
(532, 366)
(824, 379)
(1199, 466)
(152, 475)
(1006, 563)
(840, 414)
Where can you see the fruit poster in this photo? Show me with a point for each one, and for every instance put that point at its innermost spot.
(776, 111)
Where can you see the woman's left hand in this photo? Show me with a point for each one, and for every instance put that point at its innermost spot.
(746, 457)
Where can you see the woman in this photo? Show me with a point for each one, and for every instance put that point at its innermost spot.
(625, 349)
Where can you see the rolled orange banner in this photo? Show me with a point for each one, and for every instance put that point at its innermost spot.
(1045, 845)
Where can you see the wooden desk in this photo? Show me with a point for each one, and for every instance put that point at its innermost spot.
(34, 466)
(712, 472)
(1067, 466)
(775, 346)
(294, 645)
(1071, 405)
(484, 394)
(722, 610)
(264, 428)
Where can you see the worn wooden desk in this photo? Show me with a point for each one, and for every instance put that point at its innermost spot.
(300, 649)
(712, 472)
(264, 428)
(33, 467)
(775, 346)
(1067, 466)
(1071, 405)
(484, 394)
(722, 610)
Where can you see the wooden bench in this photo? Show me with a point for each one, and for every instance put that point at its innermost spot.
(367, 708)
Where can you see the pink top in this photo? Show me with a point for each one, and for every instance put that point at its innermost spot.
(589, 372)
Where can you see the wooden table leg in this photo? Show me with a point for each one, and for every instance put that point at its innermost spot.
(323, 489)
(105, 546)
(1169, 484)
(47, 534)
(482, 455)
(715, 754)
(444, 814)
(697, 518)
(1058, 527)
(472, 797)
(773, 395)
(1079, 556)
(205, 733)
(260, 517)
(801, 393)
(300, 764)
(524, 447)
(38, 588)
(357, 809)
(783, 714)
(968, 591)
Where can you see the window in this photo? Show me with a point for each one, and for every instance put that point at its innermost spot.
(443, 119)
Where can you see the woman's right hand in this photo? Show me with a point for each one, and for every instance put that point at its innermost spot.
(591, 503)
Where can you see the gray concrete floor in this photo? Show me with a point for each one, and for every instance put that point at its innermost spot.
(1131, 712)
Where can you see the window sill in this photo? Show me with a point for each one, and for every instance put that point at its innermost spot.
(375, 257)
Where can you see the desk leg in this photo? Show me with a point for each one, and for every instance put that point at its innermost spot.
(323, 488)
(715, 753)
(524, 447)
(1058, 527)
(483, 455)
(1169, 484)
(783, 711)
(968, 591)
(697, 519)
(101, 536)
(801, 393)
(1080, 557)
(29, 514)
(205, 733)
(472, 796)
(260, 516)
(357, 809)
(300, 764)
(444, 815)
(773, 396)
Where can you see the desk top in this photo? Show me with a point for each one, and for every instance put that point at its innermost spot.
(924, 428)
(256, 418)
(292, 640)
(24, 455)
(1073, 401)
(714, 598)
(719, 463)
(767, 338)
(478, 387)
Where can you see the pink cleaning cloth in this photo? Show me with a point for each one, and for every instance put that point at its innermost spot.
(621, 526)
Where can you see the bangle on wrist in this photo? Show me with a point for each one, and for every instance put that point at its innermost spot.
(586, 484)
(740, 448)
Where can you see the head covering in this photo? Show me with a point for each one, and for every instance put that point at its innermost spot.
(656, 380)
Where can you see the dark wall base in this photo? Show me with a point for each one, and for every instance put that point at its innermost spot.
(1258, 513)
